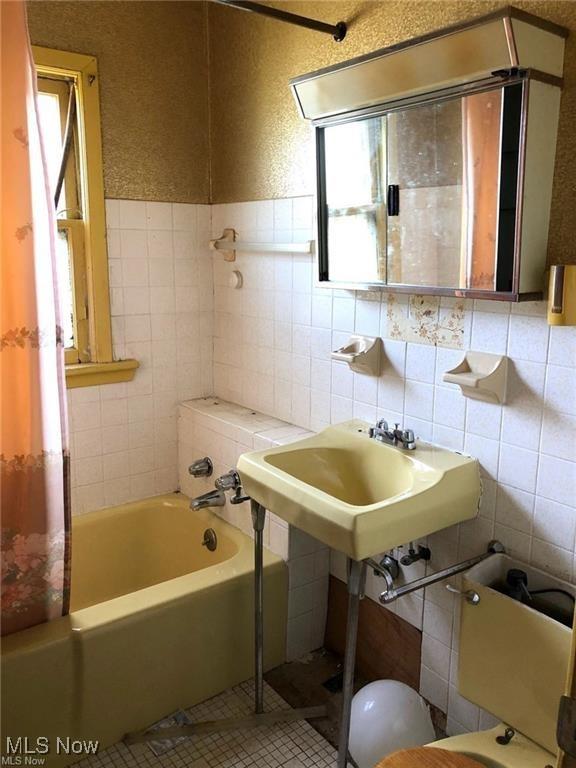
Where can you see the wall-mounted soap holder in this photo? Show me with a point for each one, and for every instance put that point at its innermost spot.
(481, 376)
(362, 353)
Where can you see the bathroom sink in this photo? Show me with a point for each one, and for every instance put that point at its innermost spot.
(360, 496)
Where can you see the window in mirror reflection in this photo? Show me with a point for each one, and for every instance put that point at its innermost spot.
(425, 195)
(355, 176)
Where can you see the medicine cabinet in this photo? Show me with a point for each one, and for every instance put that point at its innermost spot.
(435, 160)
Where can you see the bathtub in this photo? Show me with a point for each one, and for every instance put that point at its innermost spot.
(157, 622)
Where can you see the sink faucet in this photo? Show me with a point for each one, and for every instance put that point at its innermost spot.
(402, 438)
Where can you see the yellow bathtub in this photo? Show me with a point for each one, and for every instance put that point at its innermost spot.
(157, 622)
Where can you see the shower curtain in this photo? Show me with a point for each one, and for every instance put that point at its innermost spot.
(34, 457)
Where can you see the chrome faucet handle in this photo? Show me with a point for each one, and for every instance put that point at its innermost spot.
(408, 439)
(201, 467)
(380, 427)
(228, 482)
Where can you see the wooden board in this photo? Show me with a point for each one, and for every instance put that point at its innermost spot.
(388, 646)
(427, 757)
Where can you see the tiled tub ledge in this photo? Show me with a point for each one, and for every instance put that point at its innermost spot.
(223, 430)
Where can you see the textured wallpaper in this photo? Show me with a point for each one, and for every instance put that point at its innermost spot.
(159, 73)
(262, 149)
(153, 65)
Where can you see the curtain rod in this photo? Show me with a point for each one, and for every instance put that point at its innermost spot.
(338, 31)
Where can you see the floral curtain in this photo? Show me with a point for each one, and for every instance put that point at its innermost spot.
(34, 457)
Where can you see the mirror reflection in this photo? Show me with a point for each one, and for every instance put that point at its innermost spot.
(423, 196)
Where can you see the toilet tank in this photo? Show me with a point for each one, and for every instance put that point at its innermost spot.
(514, 659)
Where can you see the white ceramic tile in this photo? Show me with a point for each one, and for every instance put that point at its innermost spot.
(559, 435)
(560, 392)
(489, 332)
(134, 272)
(528, 338)
(160, 244)
(557, 480)
(449, 408)
(185, 217)
(419, 400)
(516, 543)
(88, 443)
(556, 560)
(420, 363)
(367, 320)
(485, 450)
(448, 437)
(136, 301)
(112, 214)
(115, 273)
(434, 688)
(554, 523)
(365, 389)
(132, 214)
(159, 215)
(562, 350)
(437, 623)
(514, 508)
(518, 467)
(521, 427)
(321, 311)
(133, 244)
(343, 314)
(462, 710)
(342, 379)
(162, 272)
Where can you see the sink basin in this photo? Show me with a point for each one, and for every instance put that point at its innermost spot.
(360, 496)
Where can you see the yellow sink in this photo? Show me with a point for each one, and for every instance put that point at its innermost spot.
(358, 495)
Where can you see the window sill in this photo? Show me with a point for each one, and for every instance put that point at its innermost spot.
(94, 374)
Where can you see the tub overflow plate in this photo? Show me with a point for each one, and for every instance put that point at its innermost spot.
(210, 540)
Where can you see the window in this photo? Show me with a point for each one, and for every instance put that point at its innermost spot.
(69, 113)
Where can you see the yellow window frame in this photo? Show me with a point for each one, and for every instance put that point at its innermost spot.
(74, 229)
(87, 235)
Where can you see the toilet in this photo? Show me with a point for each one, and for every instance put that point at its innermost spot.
(513, 662)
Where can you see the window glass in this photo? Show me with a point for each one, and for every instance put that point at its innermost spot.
(50, 116)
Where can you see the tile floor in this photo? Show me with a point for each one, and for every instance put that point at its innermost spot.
(288, 745)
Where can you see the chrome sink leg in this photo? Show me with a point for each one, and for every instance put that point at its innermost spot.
(258, 520)
(356, 576)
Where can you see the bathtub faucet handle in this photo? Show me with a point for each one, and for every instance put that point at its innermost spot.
(201, 467)
(228, 482)
(231, 482)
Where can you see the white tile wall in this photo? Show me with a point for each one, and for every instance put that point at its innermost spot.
(272, 352)
(123, 436)
(173, 308)
(222, 431)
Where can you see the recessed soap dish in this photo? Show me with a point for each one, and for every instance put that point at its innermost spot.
(362, 353)
(481, 376)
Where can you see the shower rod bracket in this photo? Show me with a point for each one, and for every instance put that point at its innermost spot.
(337, 31)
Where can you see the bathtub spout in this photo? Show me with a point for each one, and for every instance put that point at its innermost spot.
(210, 499)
